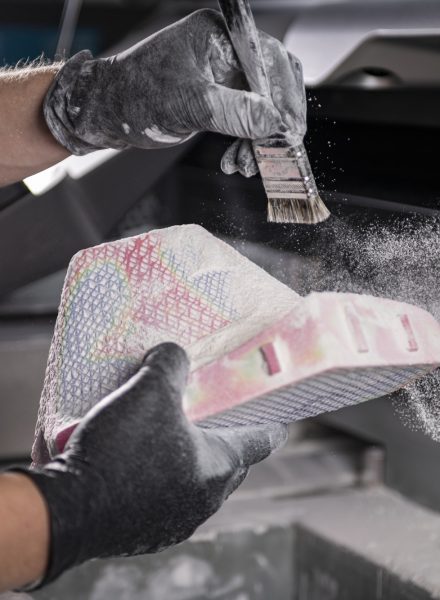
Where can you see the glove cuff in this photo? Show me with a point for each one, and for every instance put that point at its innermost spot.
(65, 524)
(72, 105)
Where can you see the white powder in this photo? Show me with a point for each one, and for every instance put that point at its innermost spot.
(399, 261)
(419, 406)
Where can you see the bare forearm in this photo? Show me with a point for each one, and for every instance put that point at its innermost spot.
(26, 144)
(24, 532)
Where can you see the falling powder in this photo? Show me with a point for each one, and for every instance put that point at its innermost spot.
(399, 261)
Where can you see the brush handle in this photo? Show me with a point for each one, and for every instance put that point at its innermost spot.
(246, 42)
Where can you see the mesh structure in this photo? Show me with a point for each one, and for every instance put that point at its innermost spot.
(316, 396)
(122, 298)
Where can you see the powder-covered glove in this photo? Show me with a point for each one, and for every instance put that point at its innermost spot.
(136, 477)
(289, 96)
(162, 91)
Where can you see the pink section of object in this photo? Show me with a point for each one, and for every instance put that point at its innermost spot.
(327, 333)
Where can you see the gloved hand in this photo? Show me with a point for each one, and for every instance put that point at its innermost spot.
(289, 97)
(182, 80)
(136, 477)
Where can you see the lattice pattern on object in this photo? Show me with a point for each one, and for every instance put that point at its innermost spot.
(315, 396)
(122, 298)
(112, 293)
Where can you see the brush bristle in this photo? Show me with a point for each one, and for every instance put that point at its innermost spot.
(289, 183)
(308, 211)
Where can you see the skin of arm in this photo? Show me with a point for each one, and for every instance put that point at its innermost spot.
(26, 144)
(24, 539)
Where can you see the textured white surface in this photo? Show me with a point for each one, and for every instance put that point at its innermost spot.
(120, 299)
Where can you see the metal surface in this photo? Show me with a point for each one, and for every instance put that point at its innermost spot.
(412, 456)
(69, 21)
(400, 40)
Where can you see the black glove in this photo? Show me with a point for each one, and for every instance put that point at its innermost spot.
(158, 93)
(136, 476)
(288, 95)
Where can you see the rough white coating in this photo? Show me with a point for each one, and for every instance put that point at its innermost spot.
(121, 299)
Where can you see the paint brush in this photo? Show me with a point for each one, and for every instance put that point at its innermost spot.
(287, 175)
